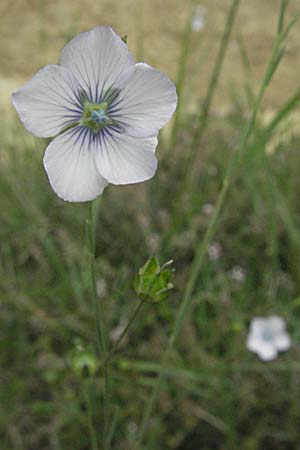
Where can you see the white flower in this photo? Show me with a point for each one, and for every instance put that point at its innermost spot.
(153, 242)
(238, 274)
(116, 332)
(208, 209)
(199, 19)
(104, 112)
(267, 337)
(132, 428)
(212, 171)
(101, 287)
(214, 251)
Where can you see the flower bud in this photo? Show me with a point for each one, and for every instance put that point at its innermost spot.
(83, 362)
(153, 283)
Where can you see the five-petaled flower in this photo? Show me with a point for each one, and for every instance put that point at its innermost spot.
(104, 112)
(267, 337)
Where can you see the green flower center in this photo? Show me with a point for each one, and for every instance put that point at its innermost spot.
(95, 116)
(267, 335)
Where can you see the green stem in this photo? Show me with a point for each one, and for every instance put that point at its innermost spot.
(284, 5)
(124, 332)
(93, 436)
(90, 226)
(99, 321)
(203, 245)
(115, 418)
(181, 75)
(211, 90)
(184, 175)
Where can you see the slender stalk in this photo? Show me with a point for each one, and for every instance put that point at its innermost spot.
(99, 321)
(203, 245)
(185, 169)
(90, 230)
(181, 75)
(93, 436)
(211, 89)
(112, 430)
(124, 332)
(284, 5)
(289, 106)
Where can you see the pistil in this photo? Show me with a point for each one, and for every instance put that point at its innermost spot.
(95, 116)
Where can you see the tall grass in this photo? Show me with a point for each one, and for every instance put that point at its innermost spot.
(202, 247)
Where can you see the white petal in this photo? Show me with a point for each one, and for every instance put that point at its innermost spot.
(99, 59)
(267, 352)
(70, 164)
(276, 323)
(49, 101)
(253, 342)
(125, 159)
(282, 342)
(257, 325)
(146, 103)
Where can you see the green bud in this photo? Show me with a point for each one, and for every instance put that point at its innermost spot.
(83, 362)
(237, 326)
(124, 364)
(153, 283)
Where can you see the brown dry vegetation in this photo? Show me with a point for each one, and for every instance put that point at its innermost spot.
(32, 32)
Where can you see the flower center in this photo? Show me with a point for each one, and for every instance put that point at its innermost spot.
(95, 116)
(267, 335)
(99, 116)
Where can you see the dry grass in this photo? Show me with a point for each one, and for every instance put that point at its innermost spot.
(33, 32)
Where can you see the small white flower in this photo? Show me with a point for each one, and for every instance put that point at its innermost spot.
(267, 337)
(101, 287)
(212, 171)
(104, 112)
(214, 251)
(132, 428)
(208, 209)
(144, 221)
(238, 274)
(199, 19)
(153, 242)
(116, 332)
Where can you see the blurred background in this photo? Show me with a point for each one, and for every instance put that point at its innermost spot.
(34, 32)
(216, 394)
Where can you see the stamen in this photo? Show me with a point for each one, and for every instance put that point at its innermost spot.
(99, 116)
(95, 116)
(267, 335)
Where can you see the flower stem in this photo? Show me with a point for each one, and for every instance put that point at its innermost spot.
(181, 76)
(93, 436)
(213, 83)
(90, 228)
(99, 316)
(185, 169)
(124, 332)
